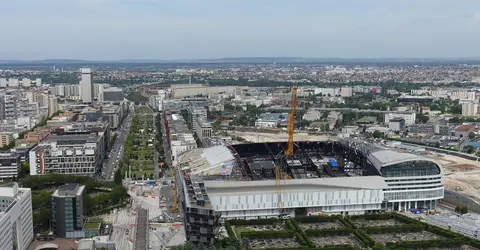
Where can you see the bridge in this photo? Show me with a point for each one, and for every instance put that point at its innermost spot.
(141, 230)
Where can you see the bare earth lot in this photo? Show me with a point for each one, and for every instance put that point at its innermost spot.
(335, 240)
(407, 236)
(319, 225)
(273, 243)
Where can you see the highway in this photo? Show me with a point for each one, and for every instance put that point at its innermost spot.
(116, 154)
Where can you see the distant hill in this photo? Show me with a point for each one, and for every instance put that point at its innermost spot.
(244, 60)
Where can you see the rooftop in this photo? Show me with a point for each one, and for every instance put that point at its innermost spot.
(69, 190)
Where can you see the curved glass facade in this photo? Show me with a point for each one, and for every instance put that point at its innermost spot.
(412, 184)
(411, 168)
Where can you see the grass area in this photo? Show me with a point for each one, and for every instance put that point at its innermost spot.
(95, 220)
(141, 173)
(90, 225)
(240, 230)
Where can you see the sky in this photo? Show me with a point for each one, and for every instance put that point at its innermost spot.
(205, 29)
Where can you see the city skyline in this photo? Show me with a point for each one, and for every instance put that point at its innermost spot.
(187, 29)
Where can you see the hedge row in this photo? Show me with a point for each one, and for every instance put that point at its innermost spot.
(255, 222)
(376, 216)
(395, 229)
(313, 219)
(329, 231)
(268, 234)
(364, 237)
(347, 223)
(446, 243)
(441, 231)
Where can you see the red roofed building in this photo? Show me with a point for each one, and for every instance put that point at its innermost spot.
(463, 131)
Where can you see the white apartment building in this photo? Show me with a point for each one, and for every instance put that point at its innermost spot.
(86, 85)
(3, 82)
(470, 108)
(13, 82)
(16, 222)
(408, 117)
(38, 82)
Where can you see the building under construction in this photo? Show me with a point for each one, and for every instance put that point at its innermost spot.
(250, 181)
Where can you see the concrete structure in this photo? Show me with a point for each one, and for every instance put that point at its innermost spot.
(180, 138)
(52, 105)
(86, 85)
(203, 128)
(409, 117)
(331, 177)
(470, 108)
(16, 223)
(467, 224)
(80, 154)
(10, 165)
(67, 210)
(112, 95)
(6, 138)
(194, 112)
(396, 124)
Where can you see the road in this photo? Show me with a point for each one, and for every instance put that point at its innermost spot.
(116, 154)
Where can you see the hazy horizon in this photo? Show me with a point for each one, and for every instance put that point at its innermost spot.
(104, 30)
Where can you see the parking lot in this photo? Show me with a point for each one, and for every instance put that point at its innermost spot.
(336, 240)
(273, 243)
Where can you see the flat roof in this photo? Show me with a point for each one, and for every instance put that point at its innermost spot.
(387, 157)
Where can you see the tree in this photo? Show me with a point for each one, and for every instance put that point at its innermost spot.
(377, 134)
(421, 118)
(469, 149)
(471, 135)
(461, 209)
(118, 177)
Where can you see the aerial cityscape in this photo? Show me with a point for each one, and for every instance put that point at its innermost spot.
(240, 125)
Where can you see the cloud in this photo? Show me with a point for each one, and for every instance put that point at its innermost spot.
(476, 16)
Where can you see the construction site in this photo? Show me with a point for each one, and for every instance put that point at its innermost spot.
(291, 178)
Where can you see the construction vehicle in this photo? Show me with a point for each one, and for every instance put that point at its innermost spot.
(278, 173)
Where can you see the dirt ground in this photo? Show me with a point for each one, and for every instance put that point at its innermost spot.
(461, 175)
(272, 137)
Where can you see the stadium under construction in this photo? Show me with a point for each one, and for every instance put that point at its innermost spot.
(251, 181)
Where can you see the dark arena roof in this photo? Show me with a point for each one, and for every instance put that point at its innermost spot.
(312, 159)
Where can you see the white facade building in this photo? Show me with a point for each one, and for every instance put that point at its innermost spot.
(470, 108)
(409, 117)
(16, 222)
(413, 181)
(86, 85)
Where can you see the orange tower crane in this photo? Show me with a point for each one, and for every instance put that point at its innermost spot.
(174, 207)
(289, 151)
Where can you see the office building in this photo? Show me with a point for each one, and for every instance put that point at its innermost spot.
(67, 210)
(193, 112)
(112, 95)
(10, 165)
(86, 85)
(203, 128)
(16, 221)
(75, 154)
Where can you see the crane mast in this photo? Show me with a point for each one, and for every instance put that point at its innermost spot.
(291, 121)
(174, 207)
(289, 151)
